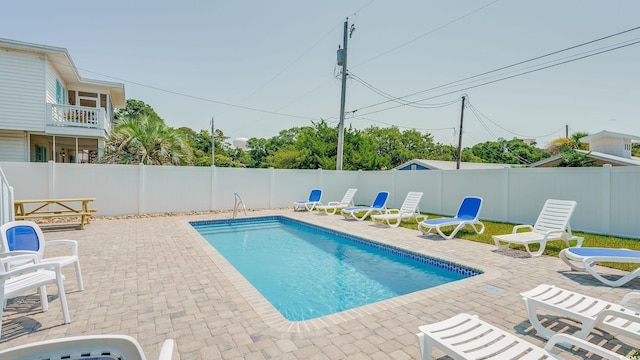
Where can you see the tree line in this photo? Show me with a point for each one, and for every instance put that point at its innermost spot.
(140, 135)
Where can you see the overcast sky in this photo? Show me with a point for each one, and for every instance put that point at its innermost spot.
(261, 67)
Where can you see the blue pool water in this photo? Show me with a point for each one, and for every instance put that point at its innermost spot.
(307, 271)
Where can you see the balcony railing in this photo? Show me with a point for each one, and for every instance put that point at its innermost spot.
(77, 116)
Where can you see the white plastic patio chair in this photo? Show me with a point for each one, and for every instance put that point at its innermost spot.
(622, 318)
(467, 215)
(94, 347)
(408, 210)
(589, 257)
(333, 206)
(465, 337)
(552, 224)
(19, 237)
(29, 277)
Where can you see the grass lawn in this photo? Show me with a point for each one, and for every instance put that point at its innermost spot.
(552, 248)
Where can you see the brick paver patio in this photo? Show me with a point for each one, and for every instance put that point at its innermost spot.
(156, 278)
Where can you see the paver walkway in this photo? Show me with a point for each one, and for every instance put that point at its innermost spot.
(156, 278)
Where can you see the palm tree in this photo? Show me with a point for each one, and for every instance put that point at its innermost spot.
(147, 140)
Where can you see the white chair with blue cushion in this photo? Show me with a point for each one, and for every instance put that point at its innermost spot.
(467, 215)
(314, 200)
(589, 257)
(20, 237)
(378, 206)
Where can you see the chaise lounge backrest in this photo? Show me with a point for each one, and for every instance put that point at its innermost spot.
(555, 216)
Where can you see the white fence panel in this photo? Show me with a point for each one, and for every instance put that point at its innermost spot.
(624, 203)
(253, 186)
(608, 198)
(6, 200)
(175, 189)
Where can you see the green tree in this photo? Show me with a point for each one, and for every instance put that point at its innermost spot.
(136, 108)
(573, 158)
(147, 140)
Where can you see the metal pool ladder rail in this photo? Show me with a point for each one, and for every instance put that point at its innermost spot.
(238, 202)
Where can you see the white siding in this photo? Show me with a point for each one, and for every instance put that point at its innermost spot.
(13, 146)
(22, 89)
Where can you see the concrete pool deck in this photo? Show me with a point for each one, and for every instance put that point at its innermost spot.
(156, 278)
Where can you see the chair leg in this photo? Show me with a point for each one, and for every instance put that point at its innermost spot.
(425, 347)
(63, 297)
(79, 276)
(43, 298)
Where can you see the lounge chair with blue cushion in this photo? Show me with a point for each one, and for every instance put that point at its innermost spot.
(552, 224)
(309, 205)
(589, 257)
(408, 210)
(466, 336)
(619, 319)
(467, 215)
(379, 205)
(333, 206)
(22, 236)
(89, 347)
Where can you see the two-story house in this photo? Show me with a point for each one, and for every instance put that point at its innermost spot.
(48, 112)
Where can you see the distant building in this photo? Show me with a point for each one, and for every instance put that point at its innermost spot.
(422, 164)
(605, 147)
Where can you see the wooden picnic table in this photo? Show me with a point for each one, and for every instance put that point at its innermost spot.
(51, 208)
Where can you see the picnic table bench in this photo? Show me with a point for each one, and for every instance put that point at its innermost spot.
(52, 208)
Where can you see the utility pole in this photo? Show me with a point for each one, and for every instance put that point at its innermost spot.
(460, 135)
(212, 144)
(342, 61)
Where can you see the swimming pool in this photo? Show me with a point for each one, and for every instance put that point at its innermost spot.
(306, 271)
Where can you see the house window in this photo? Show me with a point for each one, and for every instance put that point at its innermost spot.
(61, 93)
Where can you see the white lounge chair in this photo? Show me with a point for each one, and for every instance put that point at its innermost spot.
(552, 224)
(592, 256)
(465, 337)
(29, 277)
(591, 312)
(102, 347)
(360, 213)
(408, 210)
(333, 206)
(314, 200)
(467, 214)
(20, 237)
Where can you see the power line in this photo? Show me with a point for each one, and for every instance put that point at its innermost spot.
(506, 67)
(498, 80)
(427, 33)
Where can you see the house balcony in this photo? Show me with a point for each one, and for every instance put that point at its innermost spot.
(77, 120)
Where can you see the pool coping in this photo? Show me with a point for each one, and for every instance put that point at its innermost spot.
(275, 320)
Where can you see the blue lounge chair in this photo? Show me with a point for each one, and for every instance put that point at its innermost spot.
(591, 256)
(468, 213)
(378, 206)
(309, 205)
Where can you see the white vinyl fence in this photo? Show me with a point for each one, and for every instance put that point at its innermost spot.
(6, 200)
(608, 197)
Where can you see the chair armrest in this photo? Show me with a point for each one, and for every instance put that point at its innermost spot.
(29, 268)
(559, 339)
(166, 353)
(628, 297)
(616, 313)
(18, 258)
(518, 227)
(72, 243)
